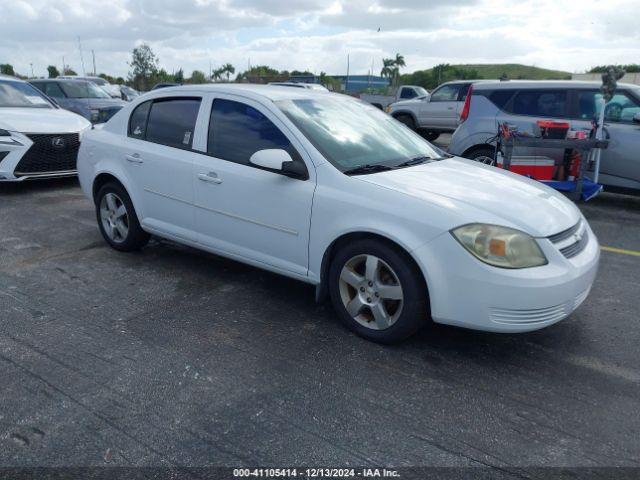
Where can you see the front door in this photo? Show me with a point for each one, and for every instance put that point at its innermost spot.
(241, 209)
(440, 109)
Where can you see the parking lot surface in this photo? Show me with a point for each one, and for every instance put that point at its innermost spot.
(171, 356)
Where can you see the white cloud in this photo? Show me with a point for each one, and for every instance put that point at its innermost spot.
(318, 35)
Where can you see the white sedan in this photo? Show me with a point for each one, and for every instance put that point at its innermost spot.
(331, 191)
(37, 138)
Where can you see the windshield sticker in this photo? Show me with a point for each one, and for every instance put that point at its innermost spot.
(187, 137)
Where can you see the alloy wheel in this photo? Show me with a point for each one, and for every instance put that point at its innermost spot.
(371, 292)
(114, 217)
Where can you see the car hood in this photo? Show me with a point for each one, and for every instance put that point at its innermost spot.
(493, 194)
(41, 120)
(406, 103)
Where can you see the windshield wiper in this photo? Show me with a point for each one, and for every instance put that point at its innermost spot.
(414, 161)
(368, 168)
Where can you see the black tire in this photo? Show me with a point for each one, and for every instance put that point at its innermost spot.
(428, 135)
(407, 120)
(136, 237)
(486, 155)
(414, 311)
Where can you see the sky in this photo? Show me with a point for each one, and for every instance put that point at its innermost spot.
(316, 35)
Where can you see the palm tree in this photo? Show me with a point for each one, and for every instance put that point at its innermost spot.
(398, 63)
(387, 67)
(228, 69)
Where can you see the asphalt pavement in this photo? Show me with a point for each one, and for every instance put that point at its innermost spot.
(174, 357)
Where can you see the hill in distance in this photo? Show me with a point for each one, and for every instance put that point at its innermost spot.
(432, 77)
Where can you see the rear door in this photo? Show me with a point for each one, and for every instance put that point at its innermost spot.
(242, 209)
(159, 157)
(620, 162)
(441, 109)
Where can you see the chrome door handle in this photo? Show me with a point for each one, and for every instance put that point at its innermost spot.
(210, 177)
(134, 158)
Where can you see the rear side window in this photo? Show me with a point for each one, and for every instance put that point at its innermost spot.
(462, 94)
(541, 103)
(53, 90)
(138, 121)
(172, 121)
(237, 131)
(500, 98)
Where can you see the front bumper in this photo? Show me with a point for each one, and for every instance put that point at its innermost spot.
(34, 156)
(468, 293)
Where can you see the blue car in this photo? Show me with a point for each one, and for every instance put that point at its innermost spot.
(82, 97)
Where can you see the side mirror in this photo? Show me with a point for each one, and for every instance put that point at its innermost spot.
(636, 118)
(278, 160)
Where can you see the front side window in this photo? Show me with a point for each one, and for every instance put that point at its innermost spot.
(350, 133)
(53, 90)
(541, 103)
(447, 93)
(237, 131)
(621, 108)
(22, 95)
(172, 121)
(408, 93)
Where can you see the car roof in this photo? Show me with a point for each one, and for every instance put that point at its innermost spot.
(255, 91)
(552, 84)
(60, 80)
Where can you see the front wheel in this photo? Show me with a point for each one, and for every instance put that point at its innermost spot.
(377, 291)
(117, 219)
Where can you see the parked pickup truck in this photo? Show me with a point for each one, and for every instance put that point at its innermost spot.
(404, 92)
(435, 113)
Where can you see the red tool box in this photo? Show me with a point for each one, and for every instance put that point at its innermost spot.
(540, 168)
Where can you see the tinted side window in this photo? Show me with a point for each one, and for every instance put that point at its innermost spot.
(53, 90)
(500, 98)
(621, 108)
(138, 120)
(408, 93)
(448, 93)
(172, 121)
(462, 94)
(237, 131)
(542, 103)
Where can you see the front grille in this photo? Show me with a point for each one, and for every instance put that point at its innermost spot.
(575, 248)
(572, 241)
(558, 237)
(50, 153)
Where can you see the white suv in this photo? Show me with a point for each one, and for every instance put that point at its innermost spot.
(331, 191)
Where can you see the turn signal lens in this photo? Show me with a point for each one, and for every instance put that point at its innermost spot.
(500, 246)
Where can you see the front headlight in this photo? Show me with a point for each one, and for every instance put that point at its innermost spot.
(500, 246)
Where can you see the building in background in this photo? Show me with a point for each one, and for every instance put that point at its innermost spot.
(350, 84)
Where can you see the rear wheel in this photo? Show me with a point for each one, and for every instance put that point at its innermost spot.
(117, 219)
(486, 155)
(377, 291)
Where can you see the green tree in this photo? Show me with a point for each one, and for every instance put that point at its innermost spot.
(387, 68)
(178, 77)
(68, 71)
(198, 77)
(228, 70)
(7, 69)
(144, 67)
(53, 71)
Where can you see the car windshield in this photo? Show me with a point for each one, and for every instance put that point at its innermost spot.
(421, 92)
(352, 134)
(78, 89)
(19, 94)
